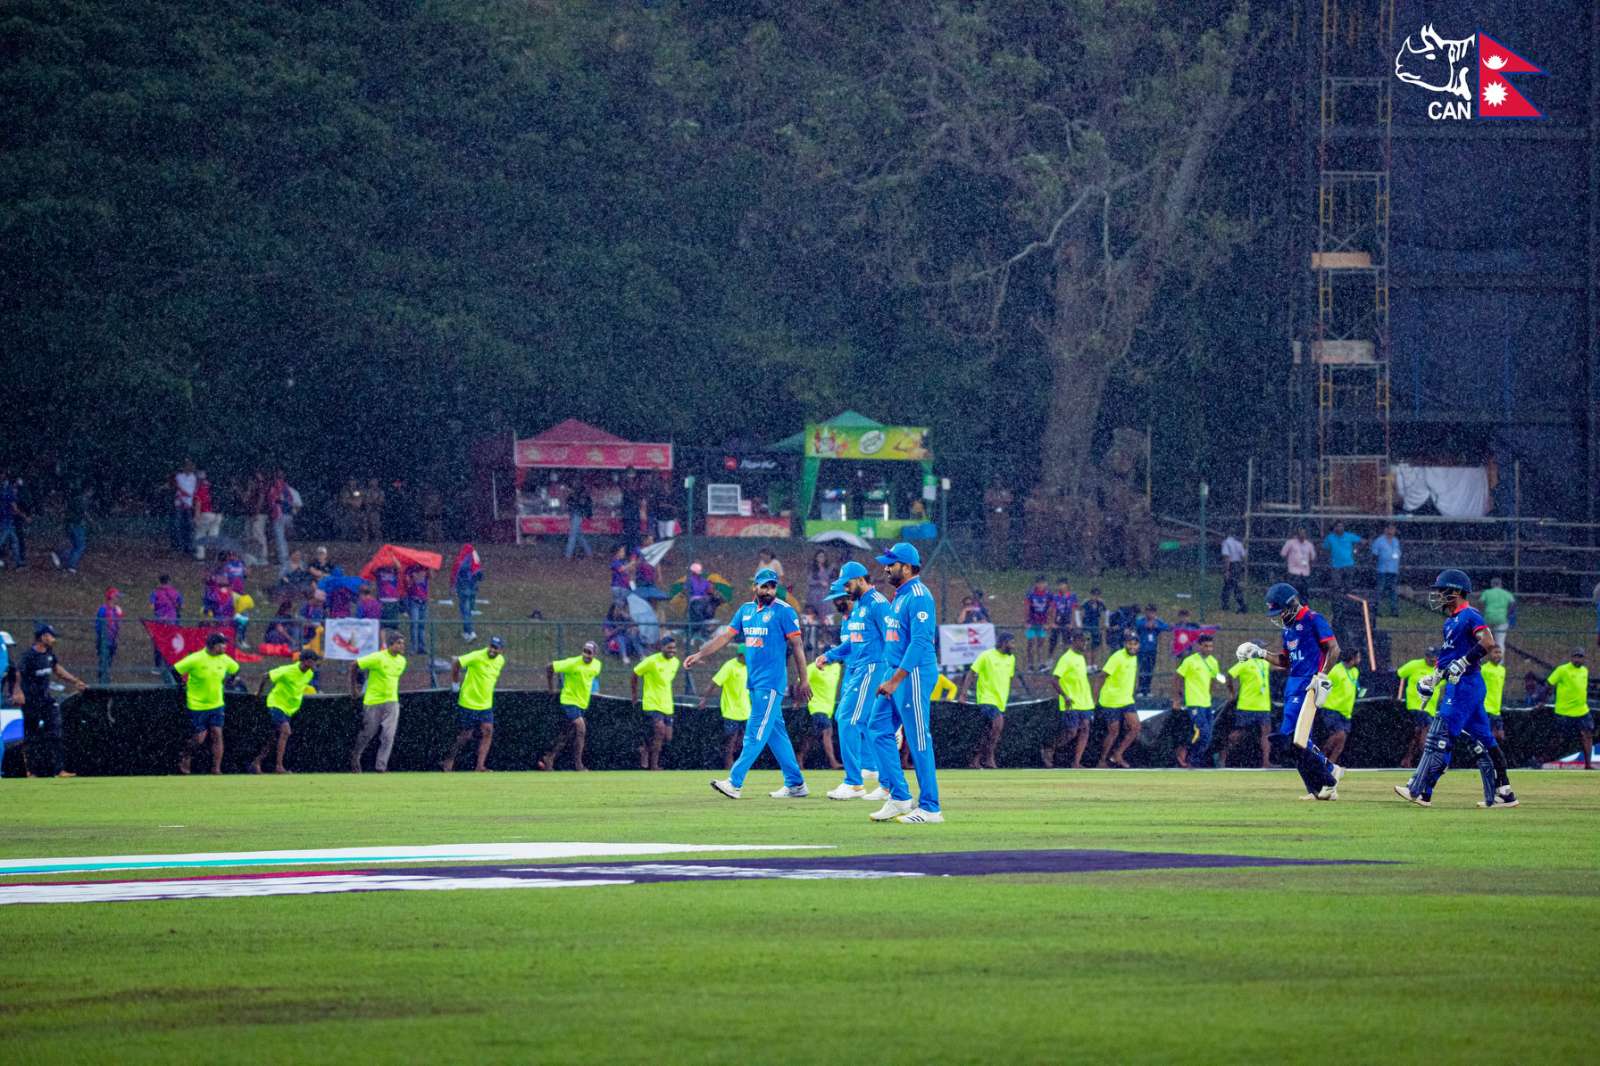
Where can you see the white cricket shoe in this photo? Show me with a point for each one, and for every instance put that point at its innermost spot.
(1405, 793)
(726, 788)
(921, 817)
(847, 792)
(879, 793)
(1328, 792)
(893, 809)
(790, 792)
(1309, 796)
(1338, 773)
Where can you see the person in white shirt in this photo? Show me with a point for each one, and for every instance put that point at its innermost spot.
(1233, 571)
(184, 483)
(1299, 553)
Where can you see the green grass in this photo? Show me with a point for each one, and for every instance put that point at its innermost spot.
(1476, 945)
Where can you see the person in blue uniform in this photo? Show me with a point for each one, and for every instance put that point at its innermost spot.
(1467, 642)
(1309, 652)
(862, 649)
(905, 696)
(769, 629)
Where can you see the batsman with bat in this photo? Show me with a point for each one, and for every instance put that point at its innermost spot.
(1309, 652)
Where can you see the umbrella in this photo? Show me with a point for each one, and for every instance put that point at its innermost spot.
(841, 537)
(338, 579)
(654, 553)
(400, 558)
(644, 616)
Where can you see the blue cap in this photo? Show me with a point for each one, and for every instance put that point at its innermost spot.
(852, 570)
(45, 628)
(764, 576)
(496, 642)
(836, 590)
(901, 553)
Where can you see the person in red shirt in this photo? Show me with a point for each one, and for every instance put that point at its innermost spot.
(207, 522)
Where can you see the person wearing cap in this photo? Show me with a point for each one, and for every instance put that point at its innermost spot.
(380, 699)
(993, 668)
(203, 673)
(824, 680)
(657, 669)
(107, 625)
(863, 650)
(1422, 706)
(769, 629)
(733, 699)
(1115, 698)
(41, 715)
(1570, 681)
(284, 688)
(578, 682)
(1074, 703)
(1198, 676)
(904, 698)
(475, 676)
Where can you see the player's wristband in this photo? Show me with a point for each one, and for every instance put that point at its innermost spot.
(1474, 654)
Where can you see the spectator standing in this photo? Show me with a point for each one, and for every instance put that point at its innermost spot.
(41, 715)
(1148, 629)
(283, 505)
(380, 699)
(819, 578)
(1386, 550)
(631, 503)
(368, 606)
(1298, 554)
(621, 581)
(1570, 681)
(1036, 622)
(702, 601)
(107, 626)
(644, 572)
(993, 669)
(464, 576)
(580, 507)
(1095, 614)
(350, 510)
(77, 521)
(1341, 545)
(1064, 617)
(207, 520)
(579, 678)
(417, 606)
(288, 684)
(475, 675)
(372, 504)
(387, 581)
(166, 605)
(204, 674)
(256, 502)
(1233, 572)
(184, 484)
(1498, 607)
(770, 561)
(11, 518)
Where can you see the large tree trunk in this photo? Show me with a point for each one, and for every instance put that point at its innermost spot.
(1082, 355)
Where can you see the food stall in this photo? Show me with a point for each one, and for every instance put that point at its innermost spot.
(553, 465)
(747, 494)
(845, 485)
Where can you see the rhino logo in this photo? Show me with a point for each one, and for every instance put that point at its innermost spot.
(1436, 64)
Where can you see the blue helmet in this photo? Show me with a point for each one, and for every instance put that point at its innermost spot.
(1447, 579)
(1283, 599)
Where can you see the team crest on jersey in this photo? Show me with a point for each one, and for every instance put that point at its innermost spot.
(922, 616)
(766, 616)
(1292, 643)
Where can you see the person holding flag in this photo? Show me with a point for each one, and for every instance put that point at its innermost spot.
(578, 674)
(769, 629)
(289, 684)
(904, 698)
(204, 673)
(465, 575)
(475, 675)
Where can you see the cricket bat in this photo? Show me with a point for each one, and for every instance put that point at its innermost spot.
(1308, 715)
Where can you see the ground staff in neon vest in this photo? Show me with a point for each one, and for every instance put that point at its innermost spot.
(863, 649)
(770, 632)
(905, 698)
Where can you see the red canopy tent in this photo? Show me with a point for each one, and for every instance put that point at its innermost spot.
(571, 452)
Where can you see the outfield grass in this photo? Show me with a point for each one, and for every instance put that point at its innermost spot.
(1476, 944)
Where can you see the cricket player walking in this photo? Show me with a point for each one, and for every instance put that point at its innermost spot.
(905, 697)
(863, 651)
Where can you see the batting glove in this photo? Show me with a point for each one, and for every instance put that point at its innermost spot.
(1321, 686)
(1249, 650)
(1453, 672)
(1427, 683)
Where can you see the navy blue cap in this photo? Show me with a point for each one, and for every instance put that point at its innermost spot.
(44, 629)
(901, 553)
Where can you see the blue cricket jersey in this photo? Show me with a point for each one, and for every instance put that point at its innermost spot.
(862, 640)
(765, 631)
(1304, 639)
(914, 627)
(1460, 637)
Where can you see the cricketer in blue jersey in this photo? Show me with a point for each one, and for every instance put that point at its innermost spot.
(1467, 642)
(905, 697)
(863, 650)
(769, 629)
(1309, 651)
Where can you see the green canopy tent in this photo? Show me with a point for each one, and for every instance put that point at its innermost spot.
(852, 435)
